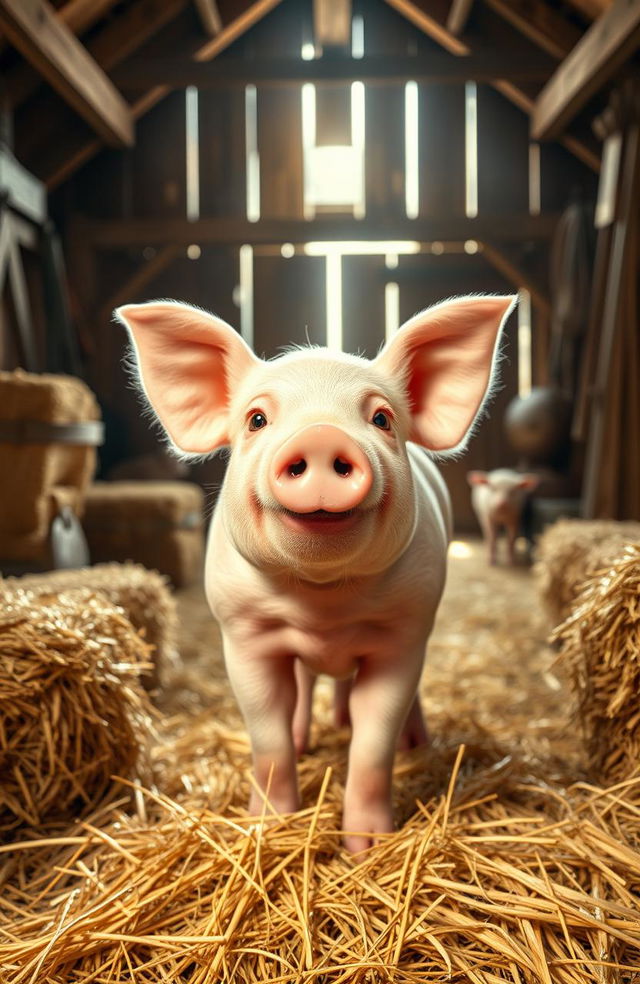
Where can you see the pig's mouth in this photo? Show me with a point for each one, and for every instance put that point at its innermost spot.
(320, 520)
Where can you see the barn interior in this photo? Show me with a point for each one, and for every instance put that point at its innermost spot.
(316, 172)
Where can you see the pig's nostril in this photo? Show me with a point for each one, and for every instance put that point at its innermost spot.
(297, 468)
(342, 467)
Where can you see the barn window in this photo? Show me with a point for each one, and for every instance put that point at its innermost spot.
(524, 342)
(333, 175)
(192, 154)
(411, 159)
(252, 155)
(471, 149)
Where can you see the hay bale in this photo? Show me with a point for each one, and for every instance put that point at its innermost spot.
(157, 524)
(570, 551)
(40, 473)
(72, 710)
(144, 595)
(600, 644)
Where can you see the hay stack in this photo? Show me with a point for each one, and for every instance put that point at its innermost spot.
(144, 595)
(157, 524)
(600, 644)
(570, 551)
(501, 874)
(39, 473)
(72, 710)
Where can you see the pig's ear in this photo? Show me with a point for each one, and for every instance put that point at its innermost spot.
(477, 478)
(529, 482)
(188, 363)
(445, 356)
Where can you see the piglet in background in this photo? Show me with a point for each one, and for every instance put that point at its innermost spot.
(499, 498)
(327, 548)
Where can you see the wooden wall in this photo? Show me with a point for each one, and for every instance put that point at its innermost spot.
(289, 294)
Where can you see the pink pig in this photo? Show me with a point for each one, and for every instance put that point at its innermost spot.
(327, 548)
(498, 498)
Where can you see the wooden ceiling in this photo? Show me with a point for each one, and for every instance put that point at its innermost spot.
(69, 67)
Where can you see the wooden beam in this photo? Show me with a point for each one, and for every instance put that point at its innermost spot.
(136, 283)
(235, 29)
(209, 16)
(608, 43)
(34, 29)
(374, 70)
(539, 22)
(85, 150)
(80, 15)
(118, 233)
(332, 23)
(458, 16)
(430, 17)
(121, 37)
(516, 275)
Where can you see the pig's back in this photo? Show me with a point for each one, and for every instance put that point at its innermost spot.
(432, 493)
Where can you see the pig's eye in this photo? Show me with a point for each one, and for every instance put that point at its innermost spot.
(257, 420)
(382, 420)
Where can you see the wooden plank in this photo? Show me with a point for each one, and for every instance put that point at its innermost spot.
(235, 29)
(108, 46)
(384, 153)
(209, 16)
(503, 154)
(363, 311)
(506, 228)
(373, 69)
(612, 324)
(332, 23)
(431, 17)
(222, 153)
(516, 274)
(80, 15)
(459, 15)
(608, 43)
(442, 150)
(280, 143)
(299, 314)
(141, 278)
(83, 150)
(541, 23)
(33, 28)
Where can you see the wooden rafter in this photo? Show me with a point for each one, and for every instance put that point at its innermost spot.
(115, 42)
(541, 23)
(431, 16)
(84, 151)
(610, 40)
(136, 283)
(80, 15)
(459, 15)
(517, 275)
(34, 29)
(209, 16)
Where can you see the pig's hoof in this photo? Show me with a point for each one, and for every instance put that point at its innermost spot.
(364, 828)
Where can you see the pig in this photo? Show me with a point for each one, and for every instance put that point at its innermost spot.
(498, 498)
(327, 547)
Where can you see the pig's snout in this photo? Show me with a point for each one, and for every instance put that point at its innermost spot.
(320, 467)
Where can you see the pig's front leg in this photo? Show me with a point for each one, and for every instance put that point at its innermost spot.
(265, 689)
(382, 696)
(512, 536)
(305, 683)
